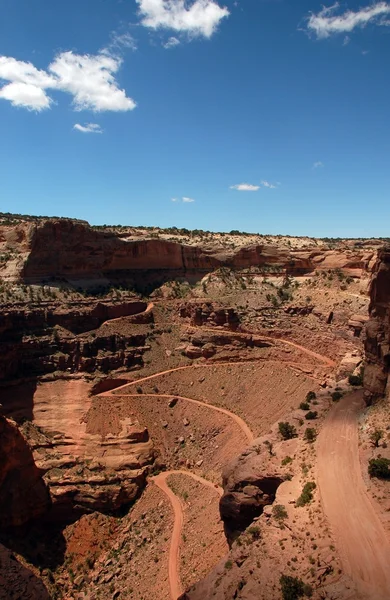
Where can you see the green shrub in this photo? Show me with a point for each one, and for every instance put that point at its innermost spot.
(304, 406)
(310, 396)
(286, 460)
(228, 565)
(294, 588)
(307, 494)
(375, 437)
(379, 467)
(311, 415)
(336, 396)
(279, 512)
(355, 380)
(310, 434)
(287, 431)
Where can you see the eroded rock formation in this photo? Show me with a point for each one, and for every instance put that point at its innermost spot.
(377, 343)
(23, 493)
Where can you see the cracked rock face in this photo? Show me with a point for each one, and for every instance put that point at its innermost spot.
(377, 343)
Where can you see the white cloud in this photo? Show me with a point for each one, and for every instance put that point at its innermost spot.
(27, 84)
(184, 199)
(171, 43)
(88, 128)
(267, 184)
(326, 23)
(318, 165)
(245, 187)
(200, 19)
(89, 79)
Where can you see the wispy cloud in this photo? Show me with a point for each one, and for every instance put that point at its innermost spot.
(326, 22)
(200, 19)
(118, 43)
(90, 79)
(184, 199)
(250, 187)
(88, 128)
(267, 184)
(245, 187)
(318, 165)
(171, 43)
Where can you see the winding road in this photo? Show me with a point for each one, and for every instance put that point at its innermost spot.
(360, 535)
(161, 481)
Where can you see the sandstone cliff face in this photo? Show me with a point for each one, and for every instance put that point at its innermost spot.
(377, 344)
(23, 494)
(74, 251)
(32, 345)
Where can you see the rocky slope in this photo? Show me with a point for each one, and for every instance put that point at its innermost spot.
(377, 344)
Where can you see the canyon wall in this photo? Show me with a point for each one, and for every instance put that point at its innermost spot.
(377, 343)
(72, 250)
(23, 494)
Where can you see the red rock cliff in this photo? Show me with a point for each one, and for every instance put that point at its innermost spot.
(377, 344)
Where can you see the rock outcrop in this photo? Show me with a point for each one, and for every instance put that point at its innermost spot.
(377, 343)
(23, 493)
(248, 488)
(36, 341)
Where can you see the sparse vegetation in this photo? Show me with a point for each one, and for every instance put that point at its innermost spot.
(279, 512)
(287, 431)
(311, 415)
(336, 396)
(379, 468)
(307, 494)
(310, 435)
(375, 437)
(294, 588)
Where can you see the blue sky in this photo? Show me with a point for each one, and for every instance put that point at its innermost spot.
(269, 116)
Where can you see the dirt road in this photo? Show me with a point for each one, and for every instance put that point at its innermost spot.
(161, 481)
(360, 536)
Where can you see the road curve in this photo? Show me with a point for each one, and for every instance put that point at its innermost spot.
(161, 482)
(360, 536)
(240, 422)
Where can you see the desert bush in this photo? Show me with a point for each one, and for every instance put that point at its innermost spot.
(375, 437)
(311, 415)
(336, 396)
(286, 460)
(279, 512)
(294, 588)
(304, 406)
(379, 467)
(310, 396)
(310, 434)
(307, 494)
(287, 431)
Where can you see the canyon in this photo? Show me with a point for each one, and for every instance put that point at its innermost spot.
(166, 399)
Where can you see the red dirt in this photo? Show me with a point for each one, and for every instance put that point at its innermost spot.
(361, 537)
(161, 481)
